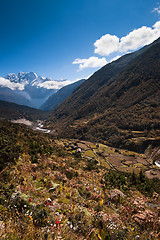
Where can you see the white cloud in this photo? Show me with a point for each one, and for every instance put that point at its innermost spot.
(139, 37)
(106, 45)
(157, 10)
(54, 84)
(111, 45)
(157, 26)
(136, 39)
(12, 85)
(92, 62)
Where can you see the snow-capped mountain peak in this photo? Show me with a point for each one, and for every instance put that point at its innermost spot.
(31, 78)
(33, 87)
(22, 77)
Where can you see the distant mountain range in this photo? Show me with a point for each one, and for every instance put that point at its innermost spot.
(120, 98)
(28, 88)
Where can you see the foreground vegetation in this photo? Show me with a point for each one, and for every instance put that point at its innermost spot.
(70, 189)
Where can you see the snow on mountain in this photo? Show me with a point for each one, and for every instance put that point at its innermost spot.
(21, 77)
(34, 88)
(33, 79)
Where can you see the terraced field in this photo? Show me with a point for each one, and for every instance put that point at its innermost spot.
(112, 158)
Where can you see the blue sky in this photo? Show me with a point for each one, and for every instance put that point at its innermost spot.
(71, 39)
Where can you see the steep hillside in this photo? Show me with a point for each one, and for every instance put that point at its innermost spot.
(121, 98)
(58, 97)
(12, 111)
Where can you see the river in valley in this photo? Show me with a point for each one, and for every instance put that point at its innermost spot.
(34, 125)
